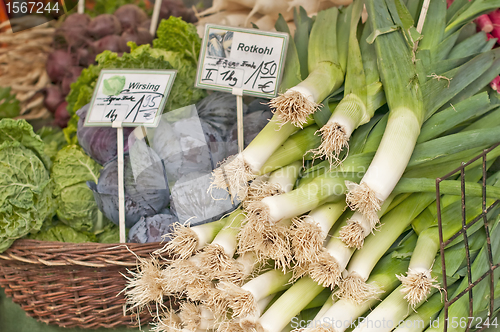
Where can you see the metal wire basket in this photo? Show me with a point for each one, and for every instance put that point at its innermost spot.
(471, 324)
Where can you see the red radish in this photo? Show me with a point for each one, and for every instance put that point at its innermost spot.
(495, 84)
(496, 32)
(61, 116)
(111, 42)
(178, 9)
(146, 24)
(489, 36)
(130, 16)
(76, 20)
(140, 36)
(484, 23)
(74, 37)
(70, 77)
(85, 56)
(53, 97)
(58, 63)
(104, 25)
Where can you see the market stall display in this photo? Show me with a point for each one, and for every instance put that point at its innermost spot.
(328, 213)
(22, 68)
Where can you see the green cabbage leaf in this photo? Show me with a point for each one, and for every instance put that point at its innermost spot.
(76, 206)
(25, 185)
(59, 232)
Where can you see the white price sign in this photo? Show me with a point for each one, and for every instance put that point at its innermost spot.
(132, 97)
(246, 59)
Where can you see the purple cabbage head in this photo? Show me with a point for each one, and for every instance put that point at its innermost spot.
(151, 229)
(218, 109)
(99, 142)
(193, 203)
(146, 190)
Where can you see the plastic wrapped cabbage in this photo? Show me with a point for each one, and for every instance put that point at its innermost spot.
(25, 186)
(186, 144)
(219, 110)
(218, 149)
(99, 142)
(146, 187)
(192, 203)
(151, 229)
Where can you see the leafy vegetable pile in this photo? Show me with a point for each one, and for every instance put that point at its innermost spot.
(329, 211)
(76, 206)
(81, 37)
(25, 186)
(168, 55)
(77, 42)
(42, 179)
(337, 213)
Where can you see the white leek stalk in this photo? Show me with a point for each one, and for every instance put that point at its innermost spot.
(279, 181)
(329, 186)
(196, 317)
(243, 301)
(354, 286)
(325, 73)
(270, 241)
(184, 240)
(426, 314)
(352, 111)
(418, 281)
(217, 257)
(237, 171)
(325, 307)
(333, 259)
(193, 276)
(343, 312)
(310, 231)
(404, 98)
(287, 306)
(386, 315)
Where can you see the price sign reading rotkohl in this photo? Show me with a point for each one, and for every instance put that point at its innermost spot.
(132, 97)
(247, 59)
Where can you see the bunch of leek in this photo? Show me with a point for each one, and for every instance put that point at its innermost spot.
(277, 255)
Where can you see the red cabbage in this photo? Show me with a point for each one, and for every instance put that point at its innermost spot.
(152, 229)
(146, 193)
(99, 142)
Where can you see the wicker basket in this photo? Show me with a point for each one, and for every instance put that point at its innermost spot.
(69, 284)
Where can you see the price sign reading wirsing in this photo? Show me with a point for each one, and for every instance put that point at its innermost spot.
(247, 59)
(132, 97)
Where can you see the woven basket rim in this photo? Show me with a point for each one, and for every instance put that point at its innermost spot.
(90, 254)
